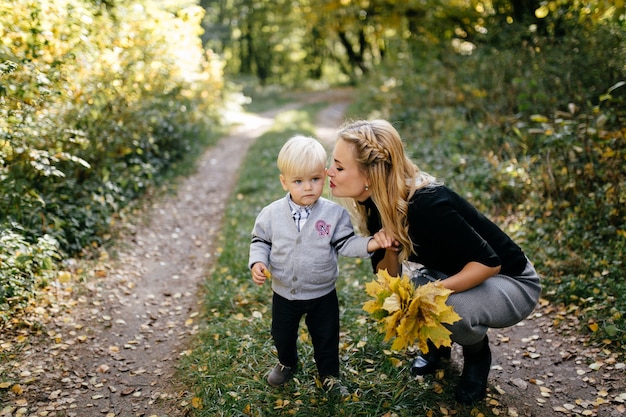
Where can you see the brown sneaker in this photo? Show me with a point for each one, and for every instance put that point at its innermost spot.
(279, 375)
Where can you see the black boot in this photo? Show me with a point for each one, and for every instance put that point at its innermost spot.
(476, 365)
(431, 361)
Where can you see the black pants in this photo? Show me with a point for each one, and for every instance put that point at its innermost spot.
(322, 321)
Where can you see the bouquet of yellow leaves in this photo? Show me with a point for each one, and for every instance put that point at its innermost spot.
(408, 313)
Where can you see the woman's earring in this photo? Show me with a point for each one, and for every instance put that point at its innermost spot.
(367, 187)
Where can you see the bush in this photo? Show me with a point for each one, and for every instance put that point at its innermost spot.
(24, 268)
(97, 104)
(530, 128)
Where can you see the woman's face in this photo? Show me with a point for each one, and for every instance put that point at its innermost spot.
(346, 180)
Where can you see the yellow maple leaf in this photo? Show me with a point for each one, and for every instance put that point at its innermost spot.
(373, 288)
(371, 306)
(196, 402)
(439, 335)
(449, 317)
(408, 314)
(408, 331)
(64, 277)
(391, 324)
(392, 303)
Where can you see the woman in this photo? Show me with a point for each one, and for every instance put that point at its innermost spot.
(427, 223)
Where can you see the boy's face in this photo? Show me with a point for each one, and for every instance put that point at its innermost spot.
(304, 189)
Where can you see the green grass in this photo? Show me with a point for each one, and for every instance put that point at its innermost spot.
(226, 369)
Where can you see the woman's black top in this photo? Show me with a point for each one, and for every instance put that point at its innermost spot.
(448, 232)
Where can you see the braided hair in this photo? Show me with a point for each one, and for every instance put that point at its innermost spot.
(393, 177)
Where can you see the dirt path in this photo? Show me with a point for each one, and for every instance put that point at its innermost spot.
(541, 370)
(110, 347)
(114, 352)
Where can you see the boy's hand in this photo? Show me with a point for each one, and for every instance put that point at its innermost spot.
(260, 273)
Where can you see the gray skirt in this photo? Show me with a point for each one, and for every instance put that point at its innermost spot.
(500, 301)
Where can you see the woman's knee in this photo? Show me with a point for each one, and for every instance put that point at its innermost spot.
(464, 333)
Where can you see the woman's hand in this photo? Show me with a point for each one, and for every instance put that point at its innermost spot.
(260, 273)
(390, 261)
(385, 240)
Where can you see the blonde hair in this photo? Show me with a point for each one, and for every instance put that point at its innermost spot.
(393, 177)
(301, 155)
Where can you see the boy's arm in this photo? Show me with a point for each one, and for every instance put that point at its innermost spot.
(260, 244)
(349, 244)
(372, 245)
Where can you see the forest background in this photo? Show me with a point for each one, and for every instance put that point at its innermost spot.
(520, 105)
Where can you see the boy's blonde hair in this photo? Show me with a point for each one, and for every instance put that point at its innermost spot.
(301, 155)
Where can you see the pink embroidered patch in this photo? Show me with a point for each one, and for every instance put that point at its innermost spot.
(322, 228)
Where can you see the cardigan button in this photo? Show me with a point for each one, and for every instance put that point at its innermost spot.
(298, 240)
(294, 278)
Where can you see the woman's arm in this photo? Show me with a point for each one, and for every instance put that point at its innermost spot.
(390, 262)
(472, 275)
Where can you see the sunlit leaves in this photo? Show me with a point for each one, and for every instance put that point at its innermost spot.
(96, 106)
(408, 314)
(542, 11)
(595, 10)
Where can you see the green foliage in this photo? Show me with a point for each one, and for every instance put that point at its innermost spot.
(529, 73)
(97, 104)
(287, 43)
(578, 202)
(530, 126)
(24, 268)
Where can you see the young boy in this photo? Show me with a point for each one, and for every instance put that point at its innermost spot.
(298, 238)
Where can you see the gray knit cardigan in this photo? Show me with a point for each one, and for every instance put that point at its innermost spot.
(304, 264)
